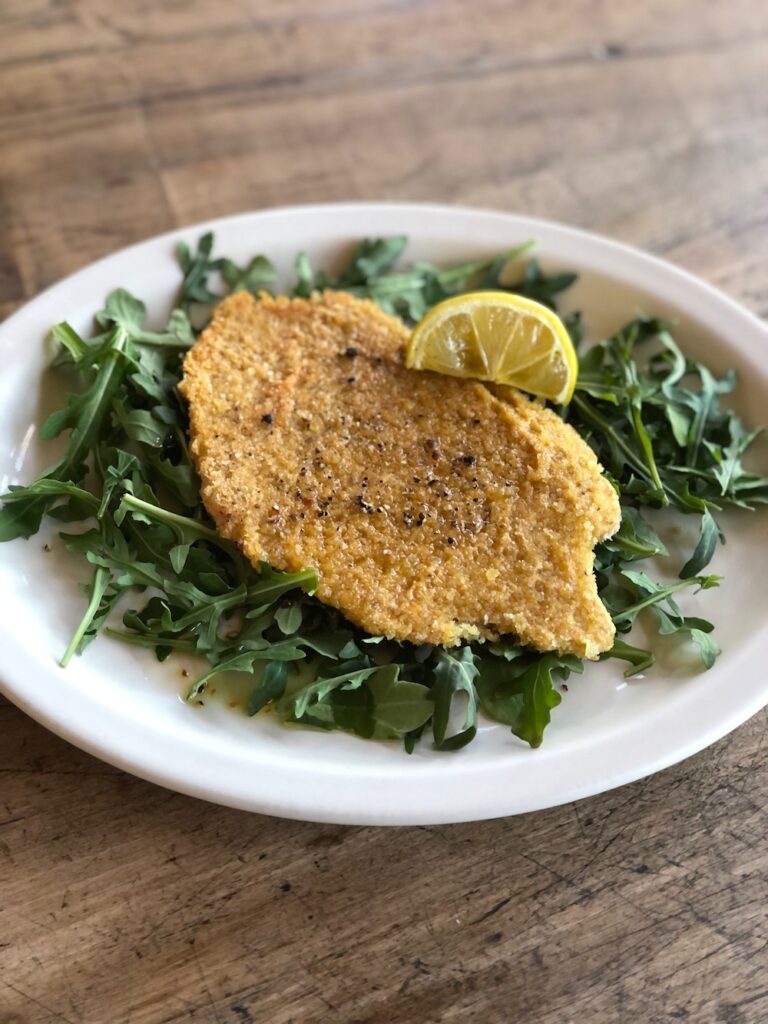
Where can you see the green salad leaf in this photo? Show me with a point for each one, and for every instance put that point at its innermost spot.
(654, 417)
(522, 693)
(455, 674)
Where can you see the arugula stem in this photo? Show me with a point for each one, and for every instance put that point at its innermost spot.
(264, 592)
(221, 604)
(639, 549)
(593, 416)
(462, 270)
(101, 579)
(155, 640)
(305, 697)
(162, 341)
(173, 519)
(84, 436)
(645, 442)
(590, 384)
(700, 422)
(267, 592)
(655, 598)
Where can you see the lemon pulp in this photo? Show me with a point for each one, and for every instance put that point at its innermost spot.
(499, 337)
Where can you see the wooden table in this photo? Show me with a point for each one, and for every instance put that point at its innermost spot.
(121, 902)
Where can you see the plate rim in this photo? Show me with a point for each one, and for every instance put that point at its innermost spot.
(170, 774)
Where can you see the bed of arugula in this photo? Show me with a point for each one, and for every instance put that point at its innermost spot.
(652, 415)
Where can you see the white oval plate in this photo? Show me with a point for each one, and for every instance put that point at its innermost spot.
(118, 703)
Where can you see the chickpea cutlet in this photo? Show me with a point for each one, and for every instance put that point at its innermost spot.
(432, 510)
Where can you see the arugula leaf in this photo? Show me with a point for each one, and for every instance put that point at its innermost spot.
(288, 618)
(123, 310)
(399, 706)
(45, 487)
(727, 468)
(455, 672)
(306, 283)
(196, 267)
(255, 277)
(705, 548)
(245, 661)
(297, 705)
(371, 702)
(72, 348)
(635, 539)
(708, 648)
(542, 287)
(271, 687)
(372, 259)
(84, 415)
(656, 593)
(521, 695)
(639, 659)
(695, 629)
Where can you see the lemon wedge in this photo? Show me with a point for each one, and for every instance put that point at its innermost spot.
(499, 337)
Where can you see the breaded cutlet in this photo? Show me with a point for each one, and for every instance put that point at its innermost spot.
(431, 509)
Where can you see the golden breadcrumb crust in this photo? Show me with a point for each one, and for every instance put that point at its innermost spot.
(432, 509)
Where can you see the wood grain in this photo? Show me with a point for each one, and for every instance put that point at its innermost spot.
(121, 902)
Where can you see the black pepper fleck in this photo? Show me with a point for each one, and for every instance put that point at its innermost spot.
(266, 418)
(350, 352)
(351, 380)
(469, 460)
(451, 541)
